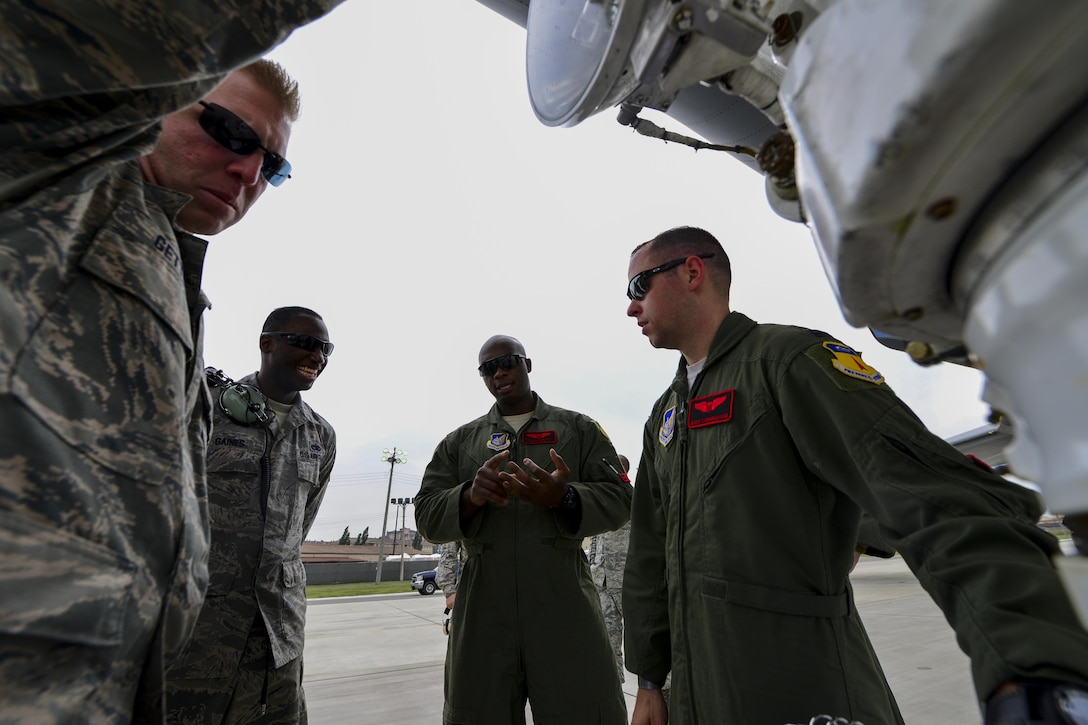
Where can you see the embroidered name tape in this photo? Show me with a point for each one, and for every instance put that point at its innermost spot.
(539, 437)
(711, 409)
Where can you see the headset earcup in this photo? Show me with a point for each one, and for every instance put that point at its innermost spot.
(245, 404)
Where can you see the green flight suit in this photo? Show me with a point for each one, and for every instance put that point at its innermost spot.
(527, 622)
(744, 520)
(104, 413)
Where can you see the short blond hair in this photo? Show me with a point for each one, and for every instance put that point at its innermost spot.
(272, 77)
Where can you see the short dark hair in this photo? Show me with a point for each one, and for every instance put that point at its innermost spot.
(689, 241)
(280, 316)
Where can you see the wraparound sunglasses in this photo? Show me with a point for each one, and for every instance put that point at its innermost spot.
(234, 134)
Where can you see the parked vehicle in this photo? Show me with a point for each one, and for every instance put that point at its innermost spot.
(424, 582)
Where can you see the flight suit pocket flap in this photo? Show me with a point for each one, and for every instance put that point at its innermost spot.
(149, 269)
(294, 574)
(801, 604)
(60, 587)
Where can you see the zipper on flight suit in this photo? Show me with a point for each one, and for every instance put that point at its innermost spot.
(682, 432)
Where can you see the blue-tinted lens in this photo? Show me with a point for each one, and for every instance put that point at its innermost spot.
(232, 133)
(275, 168)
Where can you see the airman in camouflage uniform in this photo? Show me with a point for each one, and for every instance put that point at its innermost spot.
(104, 412)
(448, 571)
(607, 556)
(266, 479)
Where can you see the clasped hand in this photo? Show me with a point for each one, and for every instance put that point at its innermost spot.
(495, 484)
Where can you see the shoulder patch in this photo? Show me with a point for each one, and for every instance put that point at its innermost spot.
(848, 361)
(668, 426)
(499, 441)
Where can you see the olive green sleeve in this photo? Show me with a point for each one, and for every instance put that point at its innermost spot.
(871, 540)
(967, 534)
(605, 498)
(647, 643)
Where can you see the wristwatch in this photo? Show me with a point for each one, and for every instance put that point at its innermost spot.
(570, 500)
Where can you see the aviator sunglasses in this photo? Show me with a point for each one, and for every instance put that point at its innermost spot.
(639, 286)
(306, 342)
(506, 362)
(234, 134)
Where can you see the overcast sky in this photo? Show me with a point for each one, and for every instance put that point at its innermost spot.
(429, 210)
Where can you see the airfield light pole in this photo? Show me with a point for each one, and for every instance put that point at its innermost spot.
(392, 456)
(403, 503)
(396, 531)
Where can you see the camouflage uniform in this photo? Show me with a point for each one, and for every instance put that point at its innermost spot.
(448, 571)
(607, 556)
(103, 408)
(253, 620)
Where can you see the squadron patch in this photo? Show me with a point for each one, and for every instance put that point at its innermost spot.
(711, 409)
(539, 437)
(499, 441)
(848, 362)
(668, 426)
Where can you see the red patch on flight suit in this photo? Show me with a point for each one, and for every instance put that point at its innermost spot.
(539, 437)
(980, 463)
(711, 409)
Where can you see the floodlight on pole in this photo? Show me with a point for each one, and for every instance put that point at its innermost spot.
(403, 504)
(392, 456)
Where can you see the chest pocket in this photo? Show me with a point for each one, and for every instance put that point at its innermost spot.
(712, 447)
(122, 318)
(310, 455)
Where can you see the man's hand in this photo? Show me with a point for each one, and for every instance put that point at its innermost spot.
(650, 708)
(450, 599)
(1037, 702)
(487, 487)
(534, 484)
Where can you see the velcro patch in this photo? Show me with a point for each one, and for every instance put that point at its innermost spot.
(539, 437)
(499, 441)
(668, 427)
(848, 362)
(711, 409)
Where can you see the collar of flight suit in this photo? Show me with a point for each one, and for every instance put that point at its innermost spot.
(540, 412)
(734, 328)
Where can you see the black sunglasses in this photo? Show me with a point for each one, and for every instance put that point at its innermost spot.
(506, 362)
(306, 342)
(233, 133)
(639, 286)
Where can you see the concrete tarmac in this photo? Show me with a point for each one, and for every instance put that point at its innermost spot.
(379, 659)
